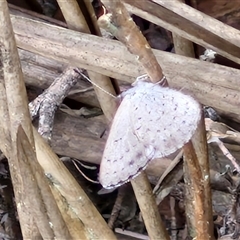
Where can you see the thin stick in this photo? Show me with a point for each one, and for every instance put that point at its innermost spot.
(197, 177)
(16, 99)
(148, 207)
(182, 45)
(75, 20)
(125, 30)
(43, 206)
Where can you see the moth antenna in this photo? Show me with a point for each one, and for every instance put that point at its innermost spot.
(145, 78)
(87, 178)
(163, 81)
(78, 71)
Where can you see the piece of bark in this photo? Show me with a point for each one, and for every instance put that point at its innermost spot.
(40, 72)
(194, 25)
(212, 85)
(46, 104)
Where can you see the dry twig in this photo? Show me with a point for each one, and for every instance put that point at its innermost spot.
(43, 206)
(195, 25)
(15, 112)
(219, 87)
(76, 21)
(126, 31)
(185, 47)
(197, 177)
(47, 103)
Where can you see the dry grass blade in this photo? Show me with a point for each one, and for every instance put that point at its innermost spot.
(65, 183)
(16, 99)
(43, 206)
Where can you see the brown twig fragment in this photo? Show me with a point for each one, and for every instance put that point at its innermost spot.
(198, 192)
(117, 206)
(196, 168)
(183, 46)
(124, 29)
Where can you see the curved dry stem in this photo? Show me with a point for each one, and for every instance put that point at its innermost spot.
(125, 30)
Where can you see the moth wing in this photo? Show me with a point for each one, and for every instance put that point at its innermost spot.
(151, 122)
(124, 156)
(167, 121)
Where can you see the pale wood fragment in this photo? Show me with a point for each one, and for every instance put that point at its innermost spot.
(76, 21)
(194, 25)
(43, 206)
(14, 110)
(210, 84)
(67, 185)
